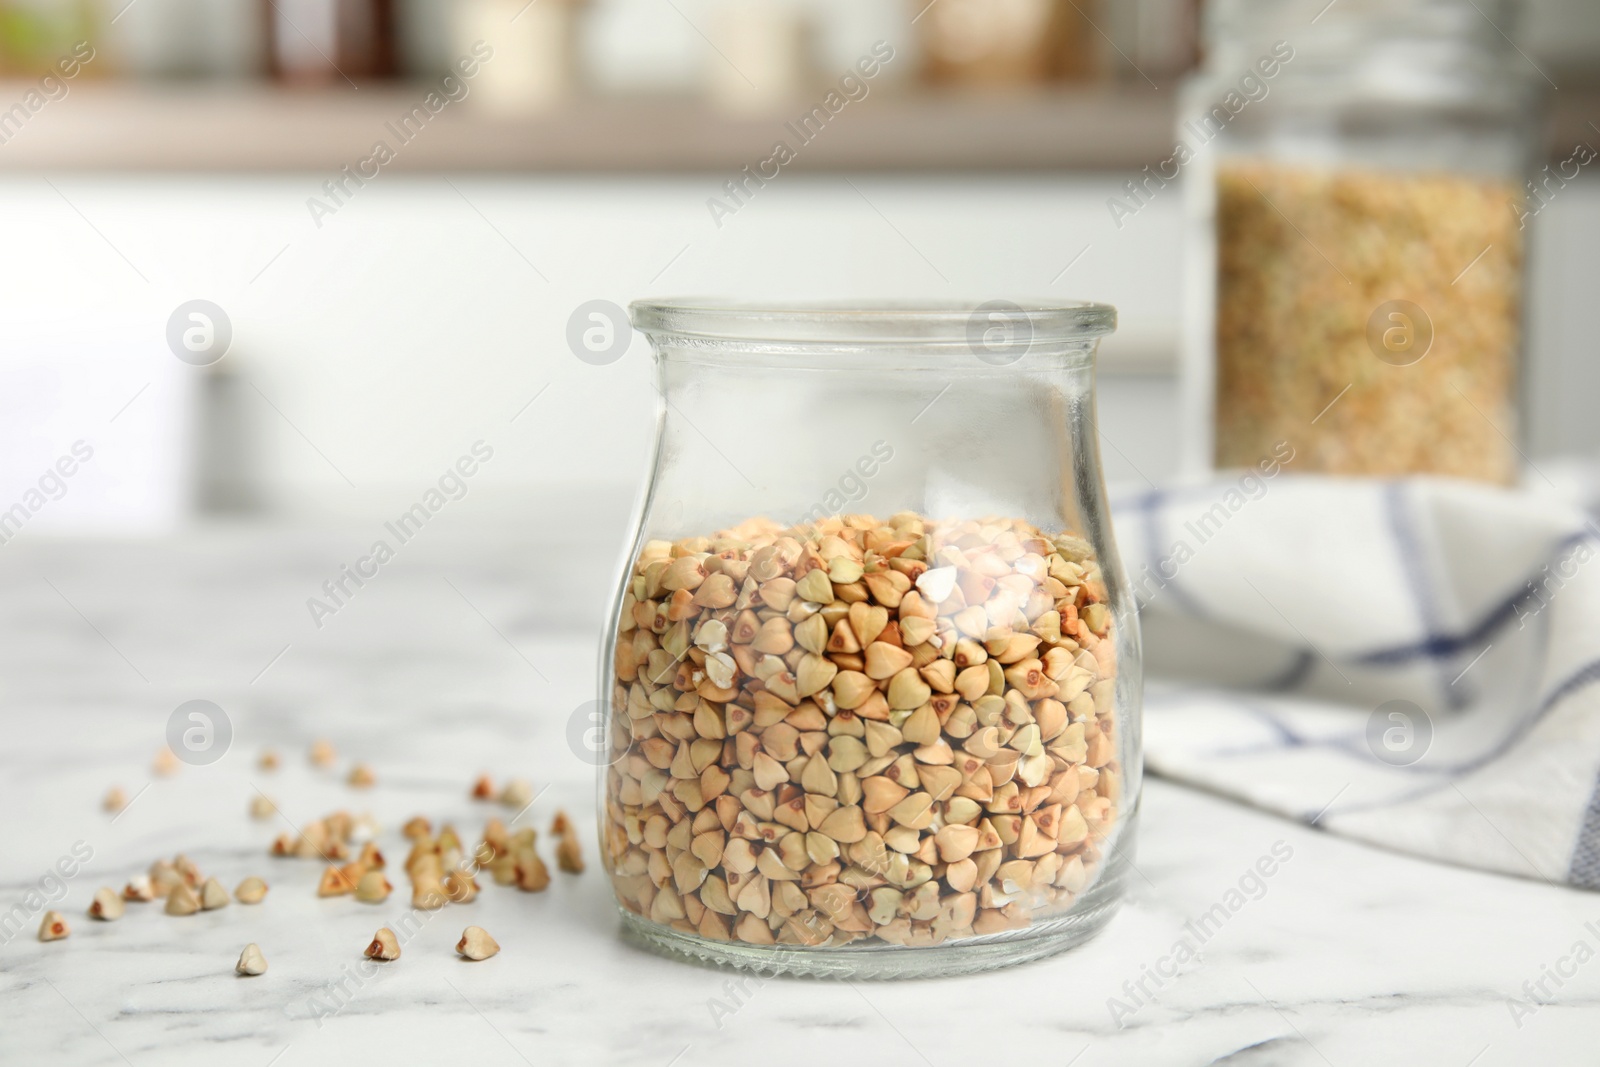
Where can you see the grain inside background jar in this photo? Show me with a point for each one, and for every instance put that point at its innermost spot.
(893, 729)
(1305, 257)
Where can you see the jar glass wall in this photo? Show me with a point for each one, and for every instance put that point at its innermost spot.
(873, 674)
(1356, 245)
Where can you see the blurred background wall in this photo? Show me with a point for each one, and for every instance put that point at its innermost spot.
(373, 343)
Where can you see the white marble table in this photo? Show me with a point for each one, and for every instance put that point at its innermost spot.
(460, 658)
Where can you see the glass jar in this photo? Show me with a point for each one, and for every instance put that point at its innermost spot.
(1354, 177)
(325, 41)
(872, 677)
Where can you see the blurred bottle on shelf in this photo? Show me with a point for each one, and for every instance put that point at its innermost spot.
(1152, 40)
(162, 39)
(36, 34)
(318, 42)
(1007, 43)
(426, 38)
(763, 55)
(533, 63)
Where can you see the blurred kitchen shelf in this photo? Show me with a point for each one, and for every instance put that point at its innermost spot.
(240, 128)
(245, 128)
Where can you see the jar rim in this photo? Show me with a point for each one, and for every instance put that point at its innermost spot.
(921, 322)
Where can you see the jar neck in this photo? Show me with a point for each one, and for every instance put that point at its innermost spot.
(950, 338)
(942, 362)
(739, 439)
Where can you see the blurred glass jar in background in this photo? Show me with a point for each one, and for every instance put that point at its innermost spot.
(161, 39)
(1005, 42)
(872, 681)
(532, 61)
(764, 55)
(317, 42)
(1354, 177)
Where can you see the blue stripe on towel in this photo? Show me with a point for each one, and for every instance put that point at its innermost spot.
(1286, 734)
(1584, 871)
(1413, 562)
(1354, 744)
(1151, 506)
(1449, 646)
(1297, 673)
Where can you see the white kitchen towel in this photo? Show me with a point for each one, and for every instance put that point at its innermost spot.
(1414, 663)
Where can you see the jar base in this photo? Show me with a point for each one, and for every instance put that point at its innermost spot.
(883, 961)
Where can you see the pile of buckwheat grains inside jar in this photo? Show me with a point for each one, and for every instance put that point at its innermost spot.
(896, 729)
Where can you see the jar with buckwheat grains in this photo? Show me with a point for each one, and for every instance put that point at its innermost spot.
(1355, 175)
(871, 683)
